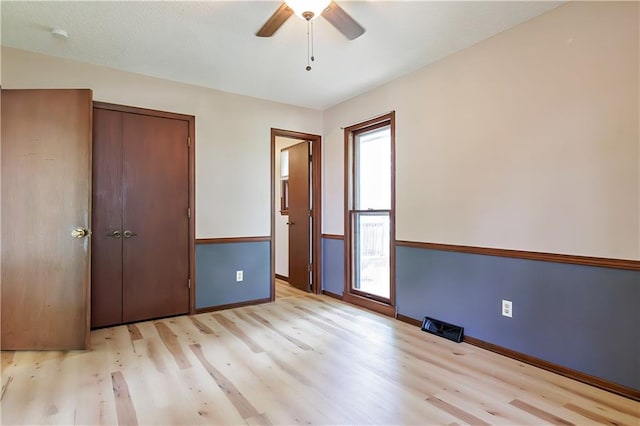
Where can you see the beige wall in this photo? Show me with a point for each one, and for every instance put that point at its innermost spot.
(232, 133)
(528, 140)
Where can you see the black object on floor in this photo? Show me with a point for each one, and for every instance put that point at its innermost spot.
(443, 329)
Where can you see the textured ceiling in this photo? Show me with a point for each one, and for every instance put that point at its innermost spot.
(212, 43)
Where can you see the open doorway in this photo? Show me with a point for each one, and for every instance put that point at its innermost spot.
(295, 212)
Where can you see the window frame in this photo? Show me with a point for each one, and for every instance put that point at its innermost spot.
(352, 295)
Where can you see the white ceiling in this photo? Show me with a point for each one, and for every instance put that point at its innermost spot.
(212, 43)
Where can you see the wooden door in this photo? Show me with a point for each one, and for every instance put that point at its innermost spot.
(141, 195)
(299, 217)
(106, 241)
(46, 194)
(155, 198)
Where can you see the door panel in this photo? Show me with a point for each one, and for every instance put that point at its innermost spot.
(46, 193)
(299, 218)
(106, 248)
(155, 201)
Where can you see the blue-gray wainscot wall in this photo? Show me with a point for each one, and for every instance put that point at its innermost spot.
(333, 266)
(216, 266)
(585, 318)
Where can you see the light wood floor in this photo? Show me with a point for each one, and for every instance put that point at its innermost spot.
(302, 360)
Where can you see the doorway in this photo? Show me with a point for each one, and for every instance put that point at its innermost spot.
(295, 210)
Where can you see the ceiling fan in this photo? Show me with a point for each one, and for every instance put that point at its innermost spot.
(311, 9)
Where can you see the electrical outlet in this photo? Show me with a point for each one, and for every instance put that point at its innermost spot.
(239, 276)
(507, 308)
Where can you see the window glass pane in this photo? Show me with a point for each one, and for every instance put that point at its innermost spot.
(372, 270)
(373, 170)
(284, 164)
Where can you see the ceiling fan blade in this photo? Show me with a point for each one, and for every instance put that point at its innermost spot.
(277, 19)
(342, 21)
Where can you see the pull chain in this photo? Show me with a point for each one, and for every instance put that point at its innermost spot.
(312, 58)
(308, 68)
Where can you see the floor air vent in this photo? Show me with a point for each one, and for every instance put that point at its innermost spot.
(443, 329)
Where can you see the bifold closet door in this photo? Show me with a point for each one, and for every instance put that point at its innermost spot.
(155, 201)
(141, 245)
(106, 248)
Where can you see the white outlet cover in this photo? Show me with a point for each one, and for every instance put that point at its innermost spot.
(507, 308)
(239, 276)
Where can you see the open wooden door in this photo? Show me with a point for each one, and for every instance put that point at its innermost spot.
(46, 196)
(299, 217)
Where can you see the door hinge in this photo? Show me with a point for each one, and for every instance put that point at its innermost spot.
(189, 141)
(189, 212)
(189, 282)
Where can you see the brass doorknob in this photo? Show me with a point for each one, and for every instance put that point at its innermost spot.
(129, 234)
(80, 233)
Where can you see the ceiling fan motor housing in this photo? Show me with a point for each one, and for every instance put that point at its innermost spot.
(310, 10)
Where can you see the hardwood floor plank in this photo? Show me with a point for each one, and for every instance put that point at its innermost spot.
(186, 330)
(124, 405)
(7, 358)
(489, 408)
(153, 352)
(270, 326)
(244, 407)
(59, 399)
(236, 331)
(284, 289)
(598, 418)
(204, 329)
(549, 402)
(541, 414)
(148, 389)
(134, 332)
(118, 347)
(615, 416)
(210, 402)
(336, 331)
(456, 412)
(5, 386)
(147, 329)
(324, 319)
(170, 340)
(23, 401)
(92, 386)
(260, 420)
(599, 397)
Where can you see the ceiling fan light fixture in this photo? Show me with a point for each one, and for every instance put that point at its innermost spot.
(308, 9)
